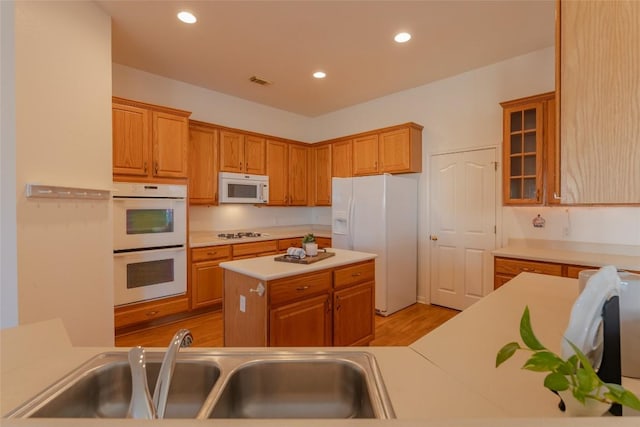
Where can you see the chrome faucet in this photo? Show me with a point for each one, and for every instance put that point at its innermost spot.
(141, 405)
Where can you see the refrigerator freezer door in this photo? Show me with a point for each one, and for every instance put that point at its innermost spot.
(341, 193)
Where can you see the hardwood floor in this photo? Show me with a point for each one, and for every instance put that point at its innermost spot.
(399, 329)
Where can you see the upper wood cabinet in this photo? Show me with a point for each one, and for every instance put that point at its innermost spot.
(526, 140)
(203, 164)
(599, 106)
(341, 158)
(242, 153)
(149, 141)
(320, 178)
(365, 155)
(396, 149)
(288, 171)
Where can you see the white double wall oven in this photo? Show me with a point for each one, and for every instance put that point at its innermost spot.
(150, 236)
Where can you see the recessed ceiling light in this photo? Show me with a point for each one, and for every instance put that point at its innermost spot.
(187, 17)
(402, 37)
(319, 74)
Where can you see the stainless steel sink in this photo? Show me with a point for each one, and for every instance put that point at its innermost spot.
(101, 388)
(219, 384)
(297, 388)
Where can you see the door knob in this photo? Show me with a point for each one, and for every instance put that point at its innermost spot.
(434, 238)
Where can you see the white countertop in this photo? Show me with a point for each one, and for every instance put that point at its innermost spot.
(265, 268)
(626, 257)
(447, 378)
(210, 237)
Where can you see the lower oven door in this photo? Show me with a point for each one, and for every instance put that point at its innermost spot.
(149, 274)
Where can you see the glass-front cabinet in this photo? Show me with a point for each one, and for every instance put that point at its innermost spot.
(524, 146)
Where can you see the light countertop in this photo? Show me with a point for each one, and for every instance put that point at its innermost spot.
(265, 268)
(626, 257)
(210, 237)
(447, 378)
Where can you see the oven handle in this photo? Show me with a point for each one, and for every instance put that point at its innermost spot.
(133, 252)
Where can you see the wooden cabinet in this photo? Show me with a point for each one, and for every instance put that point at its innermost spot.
(203, 164)
(254, 249)
(207, 277)
(341, 158)
(365, 155)
(320, 177)
(526, 141)
(301, 324)
(598, 86)
(323, 242)
(148, 312)
(242, 153)
(293, 242)
(288, 170)
(506, 269)
(149, 142)
(396, 149)
(334, 306)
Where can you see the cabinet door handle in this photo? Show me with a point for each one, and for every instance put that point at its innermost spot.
(152, 313)
(145, 167)
(356, 274)
(302, 288)
(211, 253)
(155, 167)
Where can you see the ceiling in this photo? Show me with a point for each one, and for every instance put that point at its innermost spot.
(284, 42)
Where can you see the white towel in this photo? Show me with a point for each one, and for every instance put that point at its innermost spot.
(296, 252)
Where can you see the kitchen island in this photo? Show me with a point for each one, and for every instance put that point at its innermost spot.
(447, 378)
(328, 302)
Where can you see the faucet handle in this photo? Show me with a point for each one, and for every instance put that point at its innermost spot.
(141, 405)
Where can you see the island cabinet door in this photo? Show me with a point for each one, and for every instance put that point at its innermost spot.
(306, 323)
(353, 318)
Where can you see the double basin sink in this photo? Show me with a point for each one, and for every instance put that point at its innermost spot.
(225, 385)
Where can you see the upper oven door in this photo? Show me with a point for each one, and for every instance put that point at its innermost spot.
(148, 223)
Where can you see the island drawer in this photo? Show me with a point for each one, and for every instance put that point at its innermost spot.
(358, 273)
(210, 253)
(514, 267)
(290, 289)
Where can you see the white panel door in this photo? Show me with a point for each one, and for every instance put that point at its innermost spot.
(463, 219)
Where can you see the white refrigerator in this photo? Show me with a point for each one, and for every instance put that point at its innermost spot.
(379, 214)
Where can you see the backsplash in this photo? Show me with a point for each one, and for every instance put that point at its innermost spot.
(237, 217)
(613, 225)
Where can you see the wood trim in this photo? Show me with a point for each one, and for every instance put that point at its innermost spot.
(158, 108)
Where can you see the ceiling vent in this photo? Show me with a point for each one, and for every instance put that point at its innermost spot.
(260, 81)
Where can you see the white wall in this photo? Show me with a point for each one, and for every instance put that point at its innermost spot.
(250, 218)
(610, 225)
(63, 137)
(8, 259)
(207, 105)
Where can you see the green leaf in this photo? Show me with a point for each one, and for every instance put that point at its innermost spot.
(618, 394)
(587, 380)
(526, 332)
(543, 361)
(583, 359)
(506, 352)
(557, 382)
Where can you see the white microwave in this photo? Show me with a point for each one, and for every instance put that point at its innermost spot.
(243, 188)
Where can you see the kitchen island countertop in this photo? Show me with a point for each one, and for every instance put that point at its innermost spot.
(266, 268)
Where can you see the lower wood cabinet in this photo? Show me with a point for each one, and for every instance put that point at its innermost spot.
(506, 269)
(331, 307)
(207, 277)
(150, 311)
(305, 323)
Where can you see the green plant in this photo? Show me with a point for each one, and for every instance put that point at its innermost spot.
(575, 373)
(309, 238)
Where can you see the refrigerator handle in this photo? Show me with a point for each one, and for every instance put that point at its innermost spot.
(350, 217)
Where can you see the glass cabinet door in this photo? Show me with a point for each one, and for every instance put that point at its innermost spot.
(522, 165)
